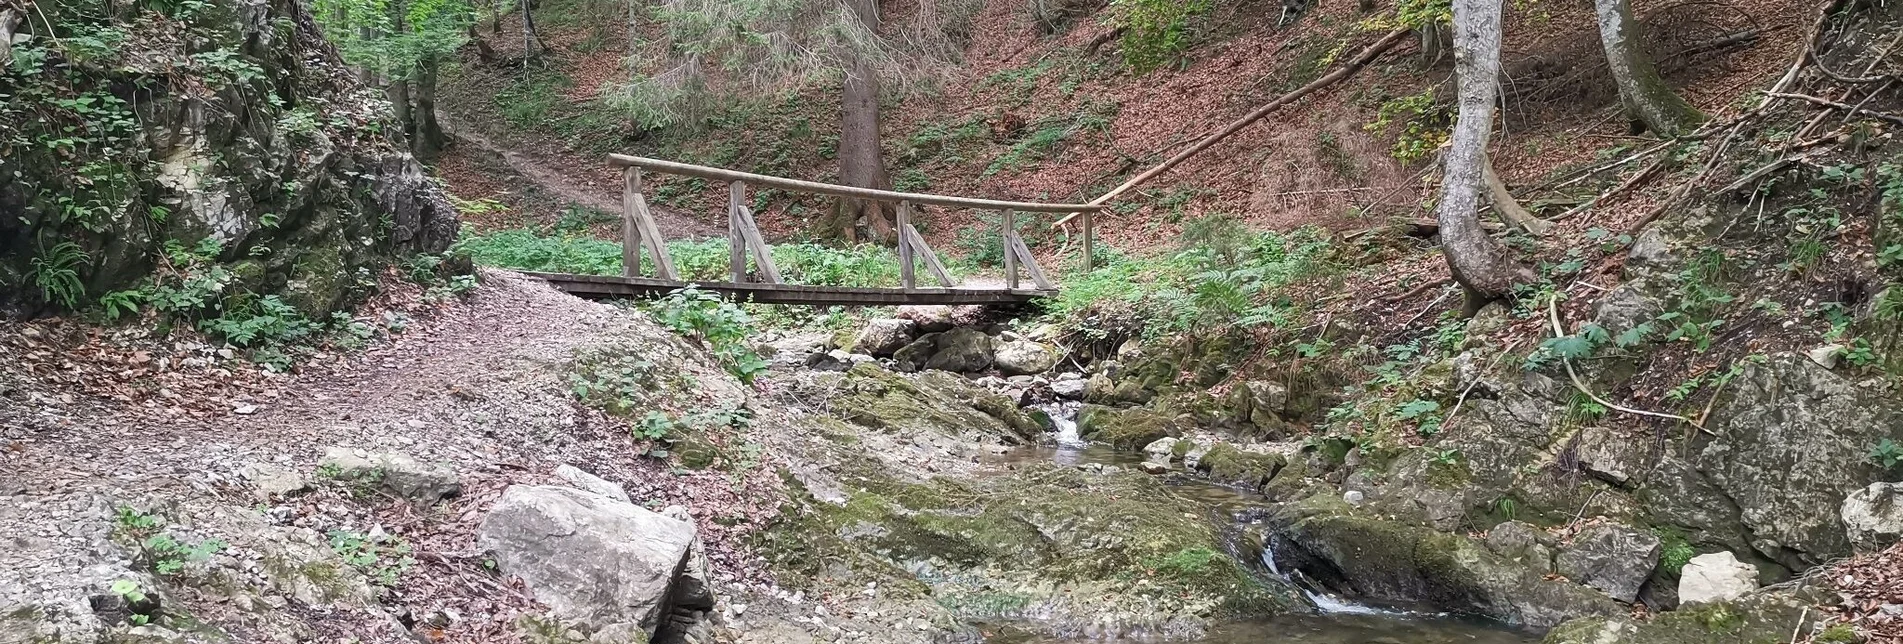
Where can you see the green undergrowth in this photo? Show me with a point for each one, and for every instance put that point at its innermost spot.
(700, 260)
(1221, 276)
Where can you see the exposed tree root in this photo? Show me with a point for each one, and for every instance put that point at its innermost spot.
(1559, 331)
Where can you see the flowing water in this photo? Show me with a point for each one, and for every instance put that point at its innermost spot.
(1336, 620)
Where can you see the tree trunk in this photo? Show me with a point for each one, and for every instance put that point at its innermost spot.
(1647, 98)
(398, 91)
(8, 20)
(531, 43)
(1481, 265)
(861, 161)
(1511, 212)
(429, 134)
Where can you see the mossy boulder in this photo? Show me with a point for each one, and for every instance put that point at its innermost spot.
(929, 403)
(1759, 618)
(1064, 549)
(1230, 466)
(1130, 429)
(1382, 561)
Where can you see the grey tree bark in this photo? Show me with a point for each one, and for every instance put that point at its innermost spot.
(1480, 264)
(531, 42)
(861, 161)
(1646, 97)
(429, 133)
(9, 19)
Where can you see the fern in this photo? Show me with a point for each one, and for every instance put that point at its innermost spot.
(56, 273)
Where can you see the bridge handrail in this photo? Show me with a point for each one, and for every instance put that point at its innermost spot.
(723, 174)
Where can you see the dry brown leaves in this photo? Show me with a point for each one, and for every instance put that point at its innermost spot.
(1872, 588)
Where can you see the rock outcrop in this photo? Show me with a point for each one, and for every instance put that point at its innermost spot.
(602, 565)
(1612, 558)
(1715, 577)
(1873, 516)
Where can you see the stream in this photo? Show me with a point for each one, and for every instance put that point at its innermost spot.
(1335, 621)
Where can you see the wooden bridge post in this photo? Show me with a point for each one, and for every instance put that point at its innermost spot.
(736, 241)
(630, 228)
(906, 266)
(1010, 235)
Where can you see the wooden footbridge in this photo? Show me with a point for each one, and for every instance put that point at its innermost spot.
(640, 235)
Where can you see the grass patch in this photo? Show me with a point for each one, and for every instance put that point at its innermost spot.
(700, 260)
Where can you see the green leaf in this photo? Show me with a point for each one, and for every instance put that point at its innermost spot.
(1571, 346)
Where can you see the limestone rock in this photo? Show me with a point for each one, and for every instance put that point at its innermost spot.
(1715, 577)
(1792, 441)
(273, 482)
(1873, 516)
(962, 350)
(591, 483)
(1650, 252)
(1522, 542)
(1160, 450)
(1613, 457)
(1612, 558)
(1626, 306)
(934, 318)
(883, 337)
(1070, 388)
(1154, 467)
(599, 564)
(914, 356)
(834, 360)
(1024, 357)
(1826, 356)
(403, 476)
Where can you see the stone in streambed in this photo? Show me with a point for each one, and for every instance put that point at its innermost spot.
(881, 338)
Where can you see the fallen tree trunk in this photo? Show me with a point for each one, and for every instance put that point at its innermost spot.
(1354, 65)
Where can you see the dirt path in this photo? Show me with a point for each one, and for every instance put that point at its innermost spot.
(482, 388)
(673, 223)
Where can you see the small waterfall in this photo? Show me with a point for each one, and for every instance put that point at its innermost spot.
(1064, 418)
(1325, 603)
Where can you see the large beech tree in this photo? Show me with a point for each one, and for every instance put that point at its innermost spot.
(1646, 97)
(1482, 266)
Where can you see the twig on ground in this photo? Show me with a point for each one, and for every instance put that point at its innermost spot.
(1799, 628)
(1418, 290)
(1430, 306)
(1559, 331)
(1842, 106)
(1642, 175)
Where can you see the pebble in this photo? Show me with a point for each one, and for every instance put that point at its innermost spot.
(245, 410)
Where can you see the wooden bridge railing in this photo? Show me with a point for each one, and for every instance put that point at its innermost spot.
(639, 232)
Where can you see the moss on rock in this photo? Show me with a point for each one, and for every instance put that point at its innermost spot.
(1230, 466)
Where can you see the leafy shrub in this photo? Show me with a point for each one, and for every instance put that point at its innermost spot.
(56, 273)
(1156, 32)
(1225, 280)
(1424, 125)
(723, 325)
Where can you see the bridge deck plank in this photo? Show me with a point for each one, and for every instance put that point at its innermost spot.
(605, 287)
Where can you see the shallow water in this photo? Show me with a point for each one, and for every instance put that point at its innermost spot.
(1339, 621)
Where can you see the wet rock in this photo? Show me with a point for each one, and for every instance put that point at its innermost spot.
(961, 350)
(883, 337)
(1371, 559)
(913, 356)
(1521, 542)
(1757, 617)
(591, 483)
(1023, 357)
(403, 476)
(273, 482)
(1715, 577)
(1612, 558)
(1128, 429)
(1160, 450)
(1154, 467)
(1070, 388)
(1873, 516)
(601, 565)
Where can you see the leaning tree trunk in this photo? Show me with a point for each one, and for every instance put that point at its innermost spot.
(398, 91)
(1647, 98)
(429, 134)
(861, 162)
(9, 19)
(531, 43)
(1481, 265)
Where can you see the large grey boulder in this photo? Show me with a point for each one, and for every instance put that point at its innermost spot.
(1521, 542)
(1791, 442)
(1715, 577)
(601, 565)
(1873, 516)
(398, 473)
(1023, 357)
(584, 481)
(962, 350)
(1612, 558)
(883, 337)
(934, 318)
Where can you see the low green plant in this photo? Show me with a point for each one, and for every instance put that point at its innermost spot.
(1674, 552)
(164, 553)
(614, 381)
(56, 272)
(1186, 562)
(1157, 32)
(1887, 453)
(1424, 125)
(383, 558)
(724, 326)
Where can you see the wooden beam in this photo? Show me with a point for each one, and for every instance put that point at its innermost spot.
(651, 239)
(605, 287)
(736, 243)
(630, 231)
(1029, 263)
(762, 254)
(1010, 256)
(907, 267)
(723, 174)
(931, 258)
